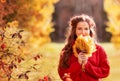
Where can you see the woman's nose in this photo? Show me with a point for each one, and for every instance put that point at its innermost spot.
(83, 32)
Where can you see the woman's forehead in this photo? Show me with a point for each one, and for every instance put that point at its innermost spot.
(83, 23)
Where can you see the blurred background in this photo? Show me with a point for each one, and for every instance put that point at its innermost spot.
(32, 34)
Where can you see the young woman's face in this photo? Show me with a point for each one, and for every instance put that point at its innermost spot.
(82, 29)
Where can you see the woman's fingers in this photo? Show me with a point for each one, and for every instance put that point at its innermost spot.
(82, 58)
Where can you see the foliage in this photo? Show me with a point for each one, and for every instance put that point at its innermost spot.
(28, 27)
(84, 44)
(14, 56)
(6, 12)
(33, 15)
(12, 52)
(113, 12)
(40, 24)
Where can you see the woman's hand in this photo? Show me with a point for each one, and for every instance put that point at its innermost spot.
(82, 58)
(68, 79)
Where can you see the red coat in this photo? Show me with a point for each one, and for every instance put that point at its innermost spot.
(96, 68)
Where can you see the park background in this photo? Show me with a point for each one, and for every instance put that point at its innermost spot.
(32, 34)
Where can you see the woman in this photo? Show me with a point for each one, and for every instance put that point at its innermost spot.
(70, 67)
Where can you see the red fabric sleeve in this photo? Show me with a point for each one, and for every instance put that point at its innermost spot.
(74, 68)
(103, 69)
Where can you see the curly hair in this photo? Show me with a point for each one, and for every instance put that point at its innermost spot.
(71, 36)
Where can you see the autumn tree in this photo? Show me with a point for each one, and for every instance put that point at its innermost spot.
(23, 24)
(34, 16)
(113, 12)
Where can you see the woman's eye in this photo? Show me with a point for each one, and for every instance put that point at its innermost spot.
(79, 28)
(86, 29)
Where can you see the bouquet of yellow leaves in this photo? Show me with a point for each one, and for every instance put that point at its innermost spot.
(84, 44)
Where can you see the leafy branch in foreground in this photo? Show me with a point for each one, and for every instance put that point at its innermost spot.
(12, 53)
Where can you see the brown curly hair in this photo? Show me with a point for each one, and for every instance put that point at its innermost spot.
(71, 36)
